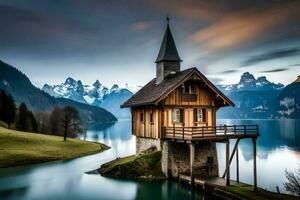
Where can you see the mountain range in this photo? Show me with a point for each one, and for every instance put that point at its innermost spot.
(95, 94)
(260, 98)
(253, 97)
(19, 86)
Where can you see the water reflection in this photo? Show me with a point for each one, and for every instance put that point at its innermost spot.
(278, 148)
(68, 180)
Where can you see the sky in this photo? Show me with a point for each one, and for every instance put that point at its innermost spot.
(118, 41)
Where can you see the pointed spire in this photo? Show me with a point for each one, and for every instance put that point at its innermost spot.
(168, 50)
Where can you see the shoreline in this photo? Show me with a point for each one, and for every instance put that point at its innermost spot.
(118, 169)
(25, 148)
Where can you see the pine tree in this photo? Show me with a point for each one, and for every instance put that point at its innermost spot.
(32, 122)
(7, 108)
(55, 121)
(22, 119)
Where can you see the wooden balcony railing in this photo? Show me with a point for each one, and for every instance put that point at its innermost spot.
(211, 132)
(189, 97)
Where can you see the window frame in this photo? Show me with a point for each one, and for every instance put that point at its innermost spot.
(200, 115)
(142, 117)
(151, 118)
(192, 89)
(177, 115)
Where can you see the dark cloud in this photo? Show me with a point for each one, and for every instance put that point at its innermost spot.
(230, 71)
(274, 70)
(275, 54)
(295, 65)
(96, 35)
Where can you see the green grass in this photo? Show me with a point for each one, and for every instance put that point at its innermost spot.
(3, 124)
(248, 193)
(144, 166)
(22, 148)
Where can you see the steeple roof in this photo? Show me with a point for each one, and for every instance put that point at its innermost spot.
(168, 50)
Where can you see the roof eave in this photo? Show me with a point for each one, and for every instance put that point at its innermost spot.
(136, 105)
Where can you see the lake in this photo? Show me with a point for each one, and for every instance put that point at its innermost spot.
(278, 149)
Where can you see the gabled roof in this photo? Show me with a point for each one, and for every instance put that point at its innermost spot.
(153, 93)
(168, 50)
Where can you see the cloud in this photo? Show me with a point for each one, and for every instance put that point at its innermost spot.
(215, 80)
(140, 26)
(275, 70)
(275, 54)
(295, 65)
(230, 71)
(192, 9)
(242, 26)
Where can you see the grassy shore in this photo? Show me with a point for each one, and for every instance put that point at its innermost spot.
(22, 148)
(146, 166)
(248, 193)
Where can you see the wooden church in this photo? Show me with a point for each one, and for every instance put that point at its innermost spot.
(176, 113)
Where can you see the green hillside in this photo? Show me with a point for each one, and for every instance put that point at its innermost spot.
(22, 148)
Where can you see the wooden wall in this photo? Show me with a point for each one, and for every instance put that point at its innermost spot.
(162, 115)
(188, 119)
(204, 98)
(145, 128)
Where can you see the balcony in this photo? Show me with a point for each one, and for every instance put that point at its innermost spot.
(211, 132)
(189, 97)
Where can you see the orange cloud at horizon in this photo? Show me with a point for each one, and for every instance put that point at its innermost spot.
(192, 9)
(141, 25)
(241, 27)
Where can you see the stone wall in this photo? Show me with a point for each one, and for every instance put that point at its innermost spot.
(176, 159)
(143, 144)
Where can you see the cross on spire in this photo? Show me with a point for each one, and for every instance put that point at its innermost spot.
(168, 19)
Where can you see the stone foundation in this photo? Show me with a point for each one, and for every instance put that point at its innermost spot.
(143, 144)
(176, 159)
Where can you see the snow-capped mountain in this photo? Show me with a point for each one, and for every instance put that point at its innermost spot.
(95, 94)
(249, 83)
(289, 100)
(253, 98)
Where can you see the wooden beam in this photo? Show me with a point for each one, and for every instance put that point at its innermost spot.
(231, 157)
(192, 160)
(254, 164)
(237, 165)
(227, 164)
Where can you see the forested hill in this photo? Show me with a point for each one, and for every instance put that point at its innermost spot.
(19, 86)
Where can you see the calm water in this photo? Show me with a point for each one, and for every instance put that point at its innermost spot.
(278, 149)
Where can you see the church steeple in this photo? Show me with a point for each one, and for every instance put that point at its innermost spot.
(168, 60)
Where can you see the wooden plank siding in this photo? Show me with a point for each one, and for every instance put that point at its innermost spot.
(204, 98)
(162, 115)
(146, 128)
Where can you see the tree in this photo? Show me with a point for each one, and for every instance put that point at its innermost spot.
(22, 119)
(32, 122)
(7, 108)
(43, 123)
(293, 184)
(55, 121)
(71, 121)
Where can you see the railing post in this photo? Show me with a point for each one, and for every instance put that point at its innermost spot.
(244, 129)
(227, 164)
(202, 130)
(183, 131)
(254, 164)
(257, 132)
(225, 130)
(234, 129)
(174, 131)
